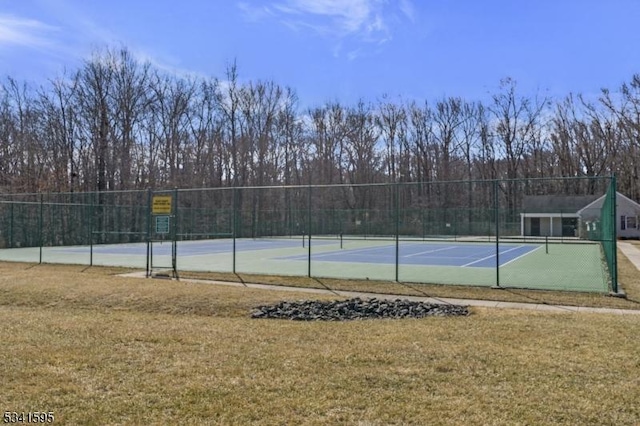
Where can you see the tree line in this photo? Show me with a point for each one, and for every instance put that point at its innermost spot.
(117, 123)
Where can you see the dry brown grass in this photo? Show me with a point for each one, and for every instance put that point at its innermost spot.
(98, 349)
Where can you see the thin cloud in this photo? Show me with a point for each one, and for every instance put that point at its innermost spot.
(346, 16)
(406, 7)
(18, 31)
(354, 54)
(80, 38)
(366, 20)
(253, 13)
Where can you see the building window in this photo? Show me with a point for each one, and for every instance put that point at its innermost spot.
(632, 222)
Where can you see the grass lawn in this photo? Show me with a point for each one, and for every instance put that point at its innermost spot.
(97, 349)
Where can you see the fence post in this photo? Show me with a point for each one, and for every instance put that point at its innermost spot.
(614, 236)
(11, 238)
(234, 225)
(397, 230)
(149, 219)
(309, 232)
(91, 214)
(496, 185)
(174, 235)
(40, 226)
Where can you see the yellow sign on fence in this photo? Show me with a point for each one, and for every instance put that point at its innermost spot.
(161, 204)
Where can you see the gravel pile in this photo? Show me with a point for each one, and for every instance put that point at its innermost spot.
(352, 309)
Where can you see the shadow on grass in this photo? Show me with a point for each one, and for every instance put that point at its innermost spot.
(242, 281)
(635, 301)
(324, 285)
(527, 296)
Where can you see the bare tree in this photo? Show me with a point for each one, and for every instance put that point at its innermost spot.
(61, 127)
(27, 164)
(327, 135)
(95, 82)
(391, 119)
(291, 143)
(421, 136)
(229, 104)
(206, 128)
(563, 141)
(173, 99)
(623, 134)
(130, 97)
(362, 161)
(517, 121)
(448, 120)
(260, 103)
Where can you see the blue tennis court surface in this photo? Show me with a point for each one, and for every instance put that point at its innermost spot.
(413, 253)
(463, 255)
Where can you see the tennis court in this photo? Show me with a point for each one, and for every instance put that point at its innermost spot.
(555, 234)
(554, 266)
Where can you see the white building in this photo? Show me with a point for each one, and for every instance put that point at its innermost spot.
(575, 216)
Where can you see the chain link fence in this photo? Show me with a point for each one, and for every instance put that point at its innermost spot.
(530, 233)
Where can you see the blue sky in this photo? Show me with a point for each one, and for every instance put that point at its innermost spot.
(342, 50)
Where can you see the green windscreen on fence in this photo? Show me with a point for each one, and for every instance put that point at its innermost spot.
(553, 234)
(608, 234)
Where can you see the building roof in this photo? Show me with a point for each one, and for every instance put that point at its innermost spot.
(619, 197)
(556, 203)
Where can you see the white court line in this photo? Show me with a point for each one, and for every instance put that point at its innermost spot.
(522, 255)
(333, 253)
(430, 251)
(489, 257)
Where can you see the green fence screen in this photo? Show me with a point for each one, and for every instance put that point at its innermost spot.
(608, 234)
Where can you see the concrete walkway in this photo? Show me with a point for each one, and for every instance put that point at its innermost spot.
(440, 300)
(631, 251)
